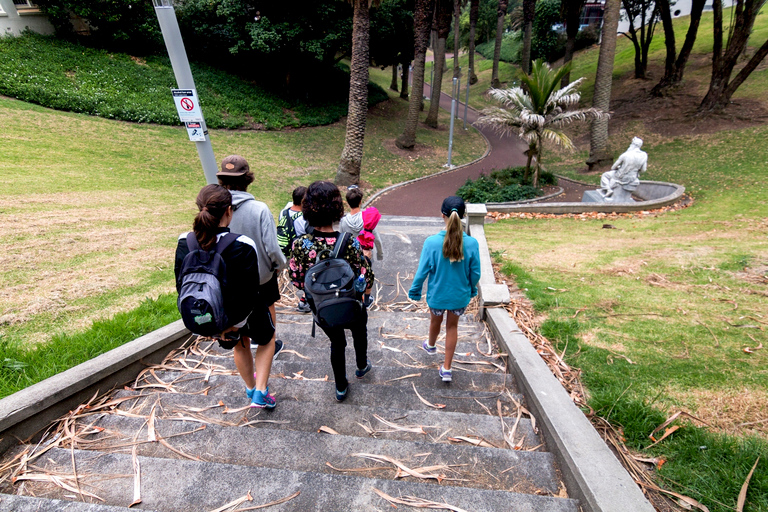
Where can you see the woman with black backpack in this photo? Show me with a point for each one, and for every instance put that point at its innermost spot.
(322, 207)
(244, 315)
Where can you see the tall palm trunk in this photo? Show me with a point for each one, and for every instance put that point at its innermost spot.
(529, 12)
(456, 19)
(422, 24)
(571, 14)
(444, 10)
(404, 80)
(474, 14)
(598, 142)
(393, 82)
(348, 172)
(501, 14)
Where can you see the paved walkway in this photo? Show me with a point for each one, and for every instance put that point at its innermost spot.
(424, 197)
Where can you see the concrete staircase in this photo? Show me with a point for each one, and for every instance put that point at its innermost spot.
(182, 437)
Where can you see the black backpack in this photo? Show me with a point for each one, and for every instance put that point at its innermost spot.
(329, 286)
(286, 232)
(202, 277)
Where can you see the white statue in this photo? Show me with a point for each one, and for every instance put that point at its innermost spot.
(618, 183)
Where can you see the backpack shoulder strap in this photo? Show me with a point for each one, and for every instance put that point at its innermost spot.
(340, 245)
(192, 244)
(289, 220)
(225, 241)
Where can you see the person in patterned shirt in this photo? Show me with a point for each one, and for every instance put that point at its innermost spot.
(322, 207)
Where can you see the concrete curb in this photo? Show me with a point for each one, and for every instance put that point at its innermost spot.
(677, 193)
(592, 473)
(28, 411)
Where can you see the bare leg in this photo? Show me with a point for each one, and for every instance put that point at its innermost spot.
(451, 336)
(263, 358)
(244, 361)
(434, 328)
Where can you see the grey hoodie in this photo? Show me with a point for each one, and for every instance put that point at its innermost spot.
(253, 219)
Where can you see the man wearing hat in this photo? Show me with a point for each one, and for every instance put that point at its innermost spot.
(253, 219)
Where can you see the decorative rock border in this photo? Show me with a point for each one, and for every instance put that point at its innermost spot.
(654, 194)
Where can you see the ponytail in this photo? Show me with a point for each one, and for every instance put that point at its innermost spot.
(212, 201)
(453, 245)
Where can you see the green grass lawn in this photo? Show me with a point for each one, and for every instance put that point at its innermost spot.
(657, 313)
(91, 209)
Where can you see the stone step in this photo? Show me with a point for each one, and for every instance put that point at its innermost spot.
(386, 375)
(10, 502)
(462, 464)
(322, 393)
(186, 485)
(349, 420)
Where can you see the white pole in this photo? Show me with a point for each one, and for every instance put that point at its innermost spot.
(466, 101)
(169, 26)
(450, 133)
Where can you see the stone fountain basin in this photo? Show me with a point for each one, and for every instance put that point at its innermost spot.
(651, 195)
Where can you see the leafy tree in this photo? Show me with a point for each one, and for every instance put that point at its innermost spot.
(392, 39)
(422, 23)
(538, 111)
(545, 42)
(348, 172)
(641, 36)
(601, 100)
(501, 15)
(721, 87)
(443, 15)
(118, 25)
(674, 65)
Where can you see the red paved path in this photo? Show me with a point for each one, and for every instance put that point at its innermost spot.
(423, 198)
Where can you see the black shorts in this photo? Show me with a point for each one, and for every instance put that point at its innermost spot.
(269, 292)
(259, 326)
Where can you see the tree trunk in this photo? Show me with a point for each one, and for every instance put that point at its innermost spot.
(673, 73)
(501, 13)
(422, 24)
(720, 88)
(443, 15)
(474, 13)
(529, 12)
(404, 83)
(434, 97)
(669, 40)
(348, 172)
(456, 42)
(571, 14)
(598, 143)
(393, 83)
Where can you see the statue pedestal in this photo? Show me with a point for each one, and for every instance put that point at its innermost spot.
(619, 196)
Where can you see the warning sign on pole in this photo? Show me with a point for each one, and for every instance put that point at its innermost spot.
(187, 105)
(195, 131)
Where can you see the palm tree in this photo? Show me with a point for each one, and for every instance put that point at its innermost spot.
(501, 14)
(348, 172)
(598, 140)
(529, 13)
(443, 15)
(538, 110)
(474, 13)
(422, 23)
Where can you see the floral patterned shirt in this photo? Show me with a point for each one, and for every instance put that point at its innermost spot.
(305, 249)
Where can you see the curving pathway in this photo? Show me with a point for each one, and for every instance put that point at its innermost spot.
(424, 197)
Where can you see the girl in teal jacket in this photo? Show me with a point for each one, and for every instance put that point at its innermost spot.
(450, 262)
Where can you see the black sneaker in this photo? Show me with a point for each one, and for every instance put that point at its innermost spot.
(361, 373)
(342, 395)
(303, 307)
(279, 345)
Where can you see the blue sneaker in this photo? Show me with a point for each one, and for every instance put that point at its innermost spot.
(263, 400)
(249, 392)
(361, 373)
(446, 375)
(342, 395)
(430, 350)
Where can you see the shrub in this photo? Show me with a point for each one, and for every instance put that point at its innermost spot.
(503, 185)
(68, 76)
(511, 46)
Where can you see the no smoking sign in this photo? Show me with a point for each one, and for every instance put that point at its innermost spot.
(187, 105)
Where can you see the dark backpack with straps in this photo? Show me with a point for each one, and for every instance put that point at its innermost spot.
(330, 289)
(286, 231)
(203, 276)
